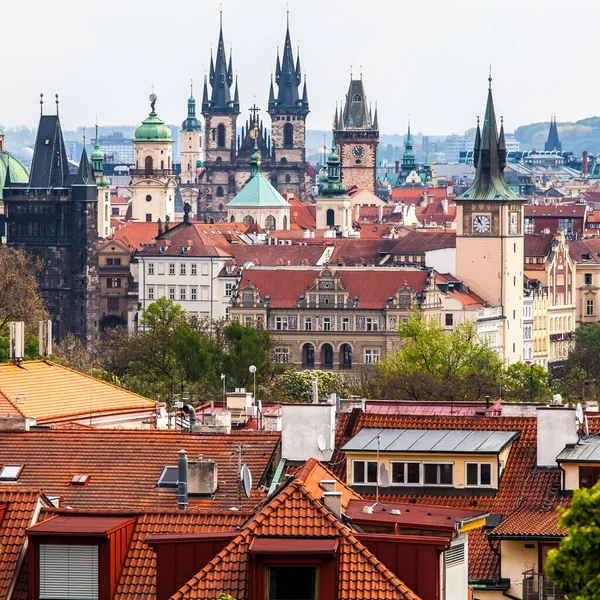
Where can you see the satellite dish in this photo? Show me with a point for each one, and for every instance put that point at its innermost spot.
(260, 406)
(246, 479)
(322, 443)
(556, 399)
(579, 413)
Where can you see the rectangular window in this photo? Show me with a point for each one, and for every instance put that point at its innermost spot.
(282, 355)
(148, 218)
(115, 211)
(588, 476)
(589, 308)
(113, 282)
(68, 572)
(182, 293)
(449, 319)
(248, 321)
(364, 471)
(292, 583)
(479, 474)
(228, 289)
(194, 269)
(529, 225)
(204, 292)
(150, 268)
(204, 268)
(345, 324)
(194, 293)
(182, 268)
(438, 473)
(171, 293)
(171, 268)
(326, 323)
(372, 323)
(308, 324)
(150, 293)
(371, 356)
(281, 323)
(406, 473)
(588, 279)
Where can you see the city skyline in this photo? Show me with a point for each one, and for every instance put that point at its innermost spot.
(435, 72)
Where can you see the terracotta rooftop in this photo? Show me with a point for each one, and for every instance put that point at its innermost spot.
(531, 522)
(302, 214)
(361, 252)
(538, 244)
(51, 393)
(134, 234)
(522, 484)
(294, 511)
(124, 466)
(585, 251)
(576, 211)
(419, 242)
(413, 195)
(372, 286)
(278, 255)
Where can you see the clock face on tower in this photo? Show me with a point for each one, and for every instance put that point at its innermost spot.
(513, 223)
(358, 151)
(481, 223)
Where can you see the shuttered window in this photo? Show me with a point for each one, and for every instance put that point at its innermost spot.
(68, 572)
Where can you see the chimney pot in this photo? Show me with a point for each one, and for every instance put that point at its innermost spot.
(328, 485)
(333, 501)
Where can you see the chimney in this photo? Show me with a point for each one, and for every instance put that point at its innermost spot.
(397, 167)
(333, 501)
(584, 163)
(328, 485)
(202, 477)
(357, 211)
(182, 480)
(445, 205)
(556, 427)
(380, 213)
(315, 390)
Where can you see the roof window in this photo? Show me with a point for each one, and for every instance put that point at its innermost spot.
(10, 472)
(168, 478)
(81, 480)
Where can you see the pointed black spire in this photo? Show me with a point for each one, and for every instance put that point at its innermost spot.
(477, 145)
(205, 102)
(271, 95)
(304, 94)
(288, 77)
(553, 143)
(221, 79)
(356, 110)
(84, 183)
(50, 166)
(490, 161)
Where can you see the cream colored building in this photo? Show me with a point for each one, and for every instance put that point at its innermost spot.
(153, 179)
(489, 235)
(103, 184)
(191, 155)
(585, 254)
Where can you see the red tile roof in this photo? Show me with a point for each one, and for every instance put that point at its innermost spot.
(20, 511)
(538, 244)
(585, 251)
(302, 214)
(125, 465)
(537, 211)
(414, 195)
(419, 242)
(361, 252)
(294, 512)
(372, 286)
(522, 484)
(134, 234)
(531, 522)
(278, 255)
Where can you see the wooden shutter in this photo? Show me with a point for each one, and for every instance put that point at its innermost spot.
(68, 572)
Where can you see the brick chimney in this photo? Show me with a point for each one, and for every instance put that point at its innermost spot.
(584, 163)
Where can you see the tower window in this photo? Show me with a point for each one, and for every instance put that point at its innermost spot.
(287, 178)
(283, 161)
(221, 135)
(330, 218)
(270, 223)
(148, 163)
(357, 98)
(148, 198)
(248, 220)
(288, 135)
(220, 192)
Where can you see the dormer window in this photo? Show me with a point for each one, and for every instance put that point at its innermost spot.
(161, 249)
(80, 480)
(10, 472)
(185, 249)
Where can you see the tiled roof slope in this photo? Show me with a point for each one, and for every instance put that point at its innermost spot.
(124, 466)
(50, 392)
(538, 244)
(20, 513)
(530, 522)
(522, 484)
(295, 512)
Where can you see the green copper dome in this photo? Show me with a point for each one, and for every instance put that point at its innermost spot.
(97, 154)
(103, 182)
(18, 171)
(153, 129)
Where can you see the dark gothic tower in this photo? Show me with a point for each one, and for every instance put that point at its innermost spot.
(288, 110)
(553, 142)
(55, 217)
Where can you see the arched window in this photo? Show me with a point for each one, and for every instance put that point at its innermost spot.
(221, 135)
(270, 223)
(283, 161)
(220, 192)
(219, 160)
(148, 163)
(284, 222)
(169, 162)
(162, 165)
(232, 218)
(287, 178)
(288, 135)
(357, 98)
(330, 218)
(220, 207)
(248, 220)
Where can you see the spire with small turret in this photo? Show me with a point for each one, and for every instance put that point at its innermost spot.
(191, 123)
(553, 143)
(408, 158)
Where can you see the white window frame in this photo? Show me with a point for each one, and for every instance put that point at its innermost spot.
(182, 268)
(589, 304)
(150, 292)
(282, 355)
(327, 324)
(183, 293)
(371, 324)
(479, 484)
(228, 289)
(345, 323)
(406, 462)
(308, 324)
(171, 268)
(437, 462)
(281, 323)
(150, 268)
(193, 293)
(171, 293)
(193, 269)
(372, 353)
(366, 471)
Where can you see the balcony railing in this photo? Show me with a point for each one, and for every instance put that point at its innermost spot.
(151, 172)
(537, 586)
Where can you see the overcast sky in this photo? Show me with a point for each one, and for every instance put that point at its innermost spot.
(427, 59)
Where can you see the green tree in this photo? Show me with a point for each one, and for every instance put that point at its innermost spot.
(574, 565)
(526, 383)
(586, 350)
(296, 386)
(31, 348)
(432, 364)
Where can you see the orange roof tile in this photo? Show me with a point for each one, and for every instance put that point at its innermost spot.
(52, 393)
(293, 511)
(124, 466)
(530, 522)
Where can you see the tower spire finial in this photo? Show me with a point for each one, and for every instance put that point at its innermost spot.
(191, 87)
(490, 79)
(57, 102)
(41, 104)
(84, 137)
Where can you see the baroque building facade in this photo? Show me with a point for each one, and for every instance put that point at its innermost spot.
(54, 216)
(227, 154)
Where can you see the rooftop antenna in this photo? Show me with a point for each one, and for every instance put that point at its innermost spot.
(17, 341)
(369, 509)
(45, 339)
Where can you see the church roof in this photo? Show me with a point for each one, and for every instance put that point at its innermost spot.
(553, 141)
(490, 161)
(18, 171)
(356, 113)
(258, 192)
(50, 166)
(153, 128)
(191, 123)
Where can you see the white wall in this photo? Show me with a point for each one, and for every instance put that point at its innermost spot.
(443, 261)
(302, 424)
(457, 576)
(555, 429)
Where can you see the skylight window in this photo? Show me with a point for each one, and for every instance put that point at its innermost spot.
(80, 480)
(10, 472)
(168, 478)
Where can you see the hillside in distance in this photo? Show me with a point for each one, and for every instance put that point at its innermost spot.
(575, 137)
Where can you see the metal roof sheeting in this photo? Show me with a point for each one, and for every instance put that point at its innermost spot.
(464, 441)
(584, 451)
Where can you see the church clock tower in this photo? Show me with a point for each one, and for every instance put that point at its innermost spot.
(489, 233)
(357, 138)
